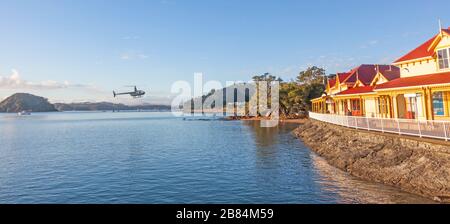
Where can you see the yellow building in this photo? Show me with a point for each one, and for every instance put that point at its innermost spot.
(352, 93)
(420, 89)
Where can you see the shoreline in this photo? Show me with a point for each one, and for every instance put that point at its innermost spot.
(287, 121)
(411, 165)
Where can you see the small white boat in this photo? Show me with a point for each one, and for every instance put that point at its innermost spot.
(24, 113)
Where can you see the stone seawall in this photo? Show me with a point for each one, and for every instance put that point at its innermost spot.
(410, 164)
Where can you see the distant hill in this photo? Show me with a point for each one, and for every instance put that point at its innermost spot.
(28, 102)
(229, 95)
(24, 101)
(106, 106)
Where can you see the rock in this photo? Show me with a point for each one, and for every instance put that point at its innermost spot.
(411, 165)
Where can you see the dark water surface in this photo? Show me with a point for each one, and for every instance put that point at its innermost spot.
(158, 158)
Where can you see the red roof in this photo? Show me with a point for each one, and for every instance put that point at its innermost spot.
(357, 90)
(422, 80)
(332, 82)
(366, 73)
(393, 74)
(423, 50)
(343, 77)
(420, 52)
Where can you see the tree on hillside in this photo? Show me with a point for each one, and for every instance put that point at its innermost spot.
(312, 75)
(296, 96)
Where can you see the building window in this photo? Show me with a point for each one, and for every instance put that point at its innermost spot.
(411, 107)
(356, 105)
(382, 107)
(438, 103)
(443, 59)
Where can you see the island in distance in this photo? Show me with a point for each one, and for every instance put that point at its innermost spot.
(106, 106)
(28, 102)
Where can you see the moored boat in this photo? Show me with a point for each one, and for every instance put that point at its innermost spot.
(24, 113)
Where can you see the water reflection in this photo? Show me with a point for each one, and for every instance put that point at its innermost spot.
(334, 183)
(156, 158)
(264, 137)
(268, 143)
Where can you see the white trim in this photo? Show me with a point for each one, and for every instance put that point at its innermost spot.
(355, 94)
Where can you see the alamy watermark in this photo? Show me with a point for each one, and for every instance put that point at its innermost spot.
(234, 99)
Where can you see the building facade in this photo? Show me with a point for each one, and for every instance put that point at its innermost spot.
(416, 86)
(352, 93)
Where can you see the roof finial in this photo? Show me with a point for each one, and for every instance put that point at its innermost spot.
(440, 26)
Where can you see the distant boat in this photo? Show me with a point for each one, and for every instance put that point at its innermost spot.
(24, 113)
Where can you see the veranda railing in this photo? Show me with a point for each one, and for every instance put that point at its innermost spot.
(430, 129)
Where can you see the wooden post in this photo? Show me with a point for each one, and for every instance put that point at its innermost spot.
(429, 104)
(361, 110)
(391, 108)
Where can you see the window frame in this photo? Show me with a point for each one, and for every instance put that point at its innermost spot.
(442, 97)
(445, 60)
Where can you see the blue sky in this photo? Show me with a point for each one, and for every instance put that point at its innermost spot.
(81, 50)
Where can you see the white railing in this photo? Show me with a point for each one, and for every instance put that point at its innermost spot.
(430, 129)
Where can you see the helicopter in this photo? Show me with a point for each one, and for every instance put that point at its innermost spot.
(136, 94)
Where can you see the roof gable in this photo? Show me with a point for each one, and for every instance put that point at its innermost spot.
(358, 83)
(343, 77)
(364, 75)
(367, 73)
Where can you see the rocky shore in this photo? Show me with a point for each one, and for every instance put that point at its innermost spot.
(411, 164)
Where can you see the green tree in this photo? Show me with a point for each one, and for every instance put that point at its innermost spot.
(312, 75)
(296, 96)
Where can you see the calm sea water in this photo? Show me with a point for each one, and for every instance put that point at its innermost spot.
(158, 158)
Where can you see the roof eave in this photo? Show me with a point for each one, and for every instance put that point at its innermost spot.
(412, 87)
(412, 60)
(355, 94)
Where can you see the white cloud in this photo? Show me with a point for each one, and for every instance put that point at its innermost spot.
(14, 81)
(66, 92)
(125, 56)
(133, 56)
